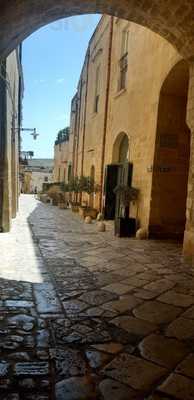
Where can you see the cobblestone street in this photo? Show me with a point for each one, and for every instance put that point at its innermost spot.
(85, 315)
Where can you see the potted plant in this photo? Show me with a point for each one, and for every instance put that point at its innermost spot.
(64, 189)
(89, 187)
(74, 189)
(124, 225)
(53, 193)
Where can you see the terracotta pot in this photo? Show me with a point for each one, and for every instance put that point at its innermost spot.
(87, 212)
(75, 209)
(54, 202)
(62, 206)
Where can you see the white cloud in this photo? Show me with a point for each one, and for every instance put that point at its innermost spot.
(60, 80)
(38, 81)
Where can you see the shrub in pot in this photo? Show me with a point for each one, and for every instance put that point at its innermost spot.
(64, 189)
(54, 194)
(89, 187)
(74, 191)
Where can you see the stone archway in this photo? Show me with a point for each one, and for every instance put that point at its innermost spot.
(172, 20)
(171, 161)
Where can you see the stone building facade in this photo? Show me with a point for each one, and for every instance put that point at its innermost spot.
(11, 92)
(36, 173)
(61, 156)
(131, 106)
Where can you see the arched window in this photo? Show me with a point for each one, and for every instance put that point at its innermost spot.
(121, 149)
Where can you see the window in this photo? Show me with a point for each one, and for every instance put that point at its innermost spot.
(97, 90)
(46, 178)
(124, 42)
(69, 172)
(123, 65)
(123, 62)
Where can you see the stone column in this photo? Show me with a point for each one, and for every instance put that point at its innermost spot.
(3, 170)
(5, 156)
(13, 172)
(188, 247)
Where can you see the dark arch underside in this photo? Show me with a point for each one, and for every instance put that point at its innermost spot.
(173, 20)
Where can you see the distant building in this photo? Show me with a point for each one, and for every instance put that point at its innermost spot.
(62, 163)
(36, 173)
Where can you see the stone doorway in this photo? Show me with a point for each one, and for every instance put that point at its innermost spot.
(171, 160)
(92, 177)
(116, 173)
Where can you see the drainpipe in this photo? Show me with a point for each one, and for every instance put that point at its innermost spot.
(78, 130)
(85, 116)
(106, 109)
(85, 113)
(3, 145)
(78, 125)
(74, 141)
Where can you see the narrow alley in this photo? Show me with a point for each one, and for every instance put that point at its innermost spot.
(85, 315)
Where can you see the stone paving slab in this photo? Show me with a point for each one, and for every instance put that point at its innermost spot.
(111, 389)
(163, 351)
(134, 371)
(178, 386)
(157, 312)
(45, 298)
(86, 315)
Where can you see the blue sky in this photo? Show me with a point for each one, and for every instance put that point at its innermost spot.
(52, 62)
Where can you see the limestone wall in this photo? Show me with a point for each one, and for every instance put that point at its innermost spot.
(38, 178)
(132, 111)
(96, 116)
(189, 232)
(11, 149)
(61, 155)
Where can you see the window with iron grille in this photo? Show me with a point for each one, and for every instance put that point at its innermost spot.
(123, 67)
(97, 90)
(123, 62)
(96, 104)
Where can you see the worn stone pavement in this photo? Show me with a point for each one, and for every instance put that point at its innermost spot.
(85, 315)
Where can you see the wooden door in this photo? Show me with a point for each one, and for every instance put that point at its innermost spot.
(111, 179)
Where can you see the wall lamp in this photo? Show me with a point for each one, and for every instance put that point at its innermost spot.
(32, 130)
